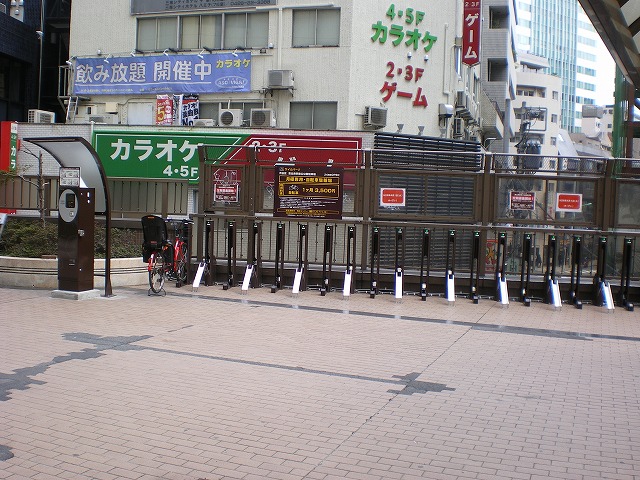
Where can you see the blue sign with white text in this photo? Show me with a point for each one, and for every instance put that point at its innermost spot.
(206, 73)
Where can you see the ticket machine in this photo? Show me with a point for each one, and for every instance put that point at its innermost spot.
(75, 238)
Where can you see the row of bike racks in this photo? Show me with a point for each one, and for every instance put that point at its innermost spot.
(601, 290)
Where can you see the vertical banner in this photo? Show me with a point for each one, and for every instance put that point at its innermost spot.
(164, 110)
(8, 145)
(177, 109)
(471, 33)
(190, 109)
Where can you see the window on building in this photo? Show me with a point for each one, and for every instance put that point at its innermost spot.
(157, 33)
(316, 27)
(313, 115)
(555, 95)
(554, 118)
(246, 30)
(243, 30)
(497, 70)
(212, 109)
(498, 17)
(553, 140)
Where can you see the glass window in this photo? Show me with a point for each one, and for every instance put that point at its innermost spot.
(316, 27)
(167, 33)
(313, 115)
(246, 30)
(146, 34)
(211, 35)
(189, 32)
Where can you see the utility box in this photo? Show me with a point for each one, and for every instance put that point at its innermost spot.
(76, 209)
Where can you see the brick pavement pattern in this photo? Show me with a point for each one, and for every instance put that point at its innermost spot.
(214, 384)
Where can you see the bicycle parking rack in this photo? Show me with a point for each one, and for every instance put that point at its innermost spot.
(185, 235)
(553, 288)
(502, 290)
(254, 261)
(525, 272)
(375, 262)
(347, 287)
(231, 256)
(449, 288)
(279, 261)
(424, 276)
(625, 274)
(299, 280)
(208, 242)
(475, 267)
(576, 272)
(602, 296)
(399, 264)
(327, 257)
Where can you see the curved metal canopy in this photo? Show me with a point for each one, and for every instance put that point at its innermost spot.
(618, 24)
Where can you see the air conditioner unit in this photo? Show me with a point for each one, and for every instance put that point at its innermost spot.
(375, 117)
(104, 118)
(461, 98)
(263, 117)
(41, 116)
(280, 78)
(230, 118)
(458, 127)
(204, 122)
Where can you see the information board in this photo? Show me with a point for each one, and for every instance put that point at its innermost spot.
(308, 192)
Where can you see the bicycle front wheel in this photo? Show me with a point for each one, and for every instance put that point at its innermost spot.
(181, 265)
(156, 274)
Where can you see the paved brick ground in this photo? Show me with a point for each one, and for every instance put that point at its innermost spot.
(214, 384)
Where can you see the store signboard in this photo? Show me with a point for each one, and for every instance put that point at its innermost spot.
(163, 74)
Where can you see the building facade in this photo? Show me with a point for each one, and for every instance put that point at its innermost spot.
(348, 65)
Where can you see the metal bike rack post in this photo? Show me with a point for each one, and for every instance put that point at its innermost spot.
(525, 270)
(625, 274)
(475, 268)
(327, 260)
(576, 272)
(600, 277)
(375, 262)
(449, 286)
(347, 286)
(424, 279)
(300, 276)
(279, 261)
(553, 288)
(254, 260)
(231, 255)
(502, 292)
(187, 230)
(208, 244)
(399, 265)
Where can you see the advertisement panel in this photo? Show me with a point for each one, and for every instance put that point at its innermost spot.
(308, 192)
(158, 74)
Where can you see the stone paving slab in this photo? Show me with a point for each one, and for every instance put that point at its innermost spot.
(215, 384)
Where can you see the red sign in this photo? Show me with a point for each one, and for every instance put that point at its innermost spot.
(272, 149)
(471, 32)
(522, 200)
(392, 197)
(568, 202)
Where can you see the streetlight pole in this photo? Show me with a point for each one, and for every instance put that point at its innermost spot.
(41, 39)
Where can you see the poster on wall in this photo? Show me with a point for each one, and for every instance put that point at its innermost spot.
(164, 110)
(308, 192)
(188, 109)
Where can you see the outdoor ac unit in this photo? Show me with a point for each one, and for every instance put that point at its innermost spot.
(230, 118)
(375, 117)
(458, 127)
(41, 116)
(263, 117)
(280, 78)
(461, 99)
(204, 122)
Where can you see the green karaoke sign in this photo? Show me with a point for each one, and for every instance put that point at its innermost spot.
(155, 155)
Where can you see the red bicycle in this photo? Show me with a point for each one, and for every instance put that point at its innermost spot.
(165, 259)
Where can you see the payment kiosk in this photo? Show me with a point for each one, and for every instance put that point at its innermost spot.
(75, 238)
